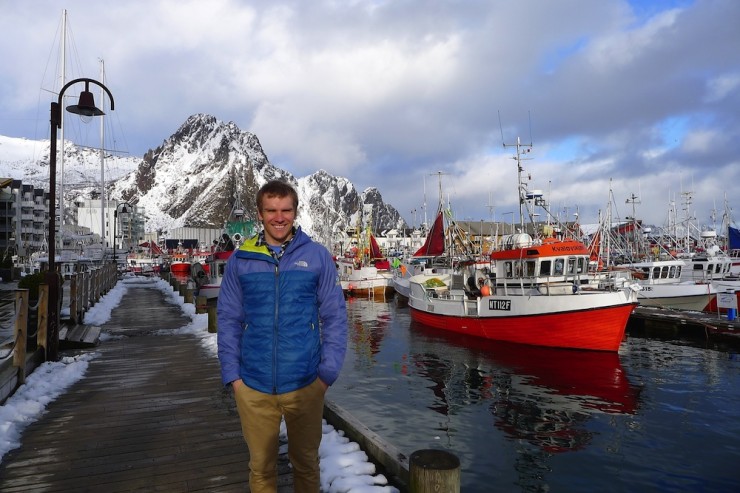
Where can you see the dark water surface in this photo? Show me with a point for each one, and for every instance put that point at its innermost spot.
(658, 416)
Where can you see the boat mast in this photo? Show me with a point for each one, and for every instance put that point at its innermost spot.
(636, 244)
(62, 125)
(103, 208)
(520, 149)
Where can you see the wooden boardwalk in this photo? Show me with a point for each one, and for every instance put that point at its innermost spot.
(149, 415)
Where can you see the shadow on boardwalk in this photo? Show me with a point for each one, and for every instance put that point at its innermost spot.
(149, 415)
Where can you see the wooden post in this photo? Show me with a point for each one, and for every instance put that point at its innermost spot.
(80, 297)
(87, 290)
(21, 330)
(212, 320)
(201, 304)
(435, 471)
(188, 295)
(74, 298)
(42, 316)
(96, 289)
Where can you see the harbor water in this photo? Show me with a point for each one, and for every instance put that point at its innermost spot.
(661, 415)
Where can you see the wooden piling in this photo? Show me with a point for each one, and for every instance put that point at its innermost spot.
(74, 299)
(432, 470)
(21, 331)
(201, 304)
(212, 320)
(43, 316)
(188, 295)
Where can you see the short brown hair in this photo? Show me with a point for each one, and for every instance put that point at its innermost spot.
(277, 188)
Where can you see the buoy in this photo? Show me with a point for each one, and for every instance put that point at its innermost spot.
(485, 290)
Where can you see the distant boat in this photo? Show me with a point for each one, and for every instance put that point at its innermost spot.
(445, 248)
(180, 263)
(208, 273)
(364, 270)
(663, 287)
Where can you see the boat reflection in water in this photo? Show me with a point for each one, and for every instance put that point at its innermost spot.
(541, 395)
(369, 320)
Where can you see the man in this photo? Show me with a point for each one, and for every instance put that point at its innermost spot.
(282, 337)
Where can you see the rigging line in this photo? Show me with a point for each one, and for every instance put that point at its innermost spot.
(98, 148)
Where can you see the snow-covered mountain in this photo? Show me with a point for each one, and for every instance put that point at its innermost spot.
(192, 179)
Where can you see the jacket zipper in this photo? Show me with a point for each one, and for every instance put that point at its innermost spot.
(275, 331)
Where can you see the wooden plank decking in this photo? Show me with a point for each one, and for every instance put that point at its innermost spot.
(149, 415)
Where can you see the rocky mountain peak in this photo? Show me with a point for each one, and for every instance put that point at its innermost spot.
(195, 176)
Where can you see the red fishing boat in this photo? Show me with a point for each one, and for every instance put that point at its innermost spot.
(540, 293)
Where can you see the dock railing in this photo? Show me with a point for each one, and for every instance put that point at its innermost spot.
(27, 349)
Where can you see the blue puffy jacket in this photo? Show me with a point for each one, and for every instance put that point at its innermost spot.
(281, 324)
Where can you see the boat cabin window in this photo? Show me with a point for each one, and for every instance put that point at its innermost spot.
(672, 273)
(514, 269)
(559, 263)
(545, 267)
(508, 270)
(572, 265)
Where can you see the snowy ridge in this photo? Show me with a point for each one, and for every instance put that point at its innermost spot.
(193, 177)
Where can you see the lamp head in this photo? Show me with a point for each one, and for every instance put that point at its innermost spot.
(85, 106)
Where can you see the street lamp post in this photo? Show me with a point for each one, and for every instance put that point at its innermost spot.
(86, 108)
(124, 210)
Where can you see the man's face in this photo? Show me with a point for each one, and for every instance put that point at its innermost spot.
(277, 216)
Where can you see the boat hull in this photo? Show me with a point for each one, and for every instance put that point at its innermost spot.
(369, 288)
(599, 329)
(180, 267)
(210, 291)
(582, 319)
(683, 296)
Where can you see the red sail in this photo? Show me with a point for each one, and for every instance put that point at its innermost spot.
(374, 248)
(435, 242)
(153, 247)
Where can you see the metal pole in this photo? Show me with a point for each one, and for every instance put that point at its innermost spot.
(52, 334)
(115, 223)
(52, 277)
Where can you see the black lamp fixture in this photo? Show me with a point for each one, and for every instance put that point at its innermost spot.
(87, 109)
(86, 104)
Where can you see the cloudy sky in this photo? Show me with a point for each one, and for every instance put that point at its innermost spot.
(638, 97)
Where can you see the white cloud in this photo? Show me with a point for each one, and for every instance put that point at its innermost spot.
(366, 89)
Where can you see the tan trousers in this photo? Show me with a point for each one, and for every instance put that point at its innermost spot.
(260, 416)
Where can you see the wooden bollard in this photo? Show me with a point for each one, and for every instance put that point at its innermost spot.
(188, 295)
(432, 470)
(212, 320)
(74, 299)
(21, 329)
(201, 304)
(42, 316)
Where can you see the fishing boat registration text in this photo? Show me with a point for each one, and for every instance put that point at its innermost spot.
(499, 305)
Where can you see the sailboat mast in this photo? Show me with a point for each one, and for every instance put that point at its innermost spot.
(61, 152)
(103, 208)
